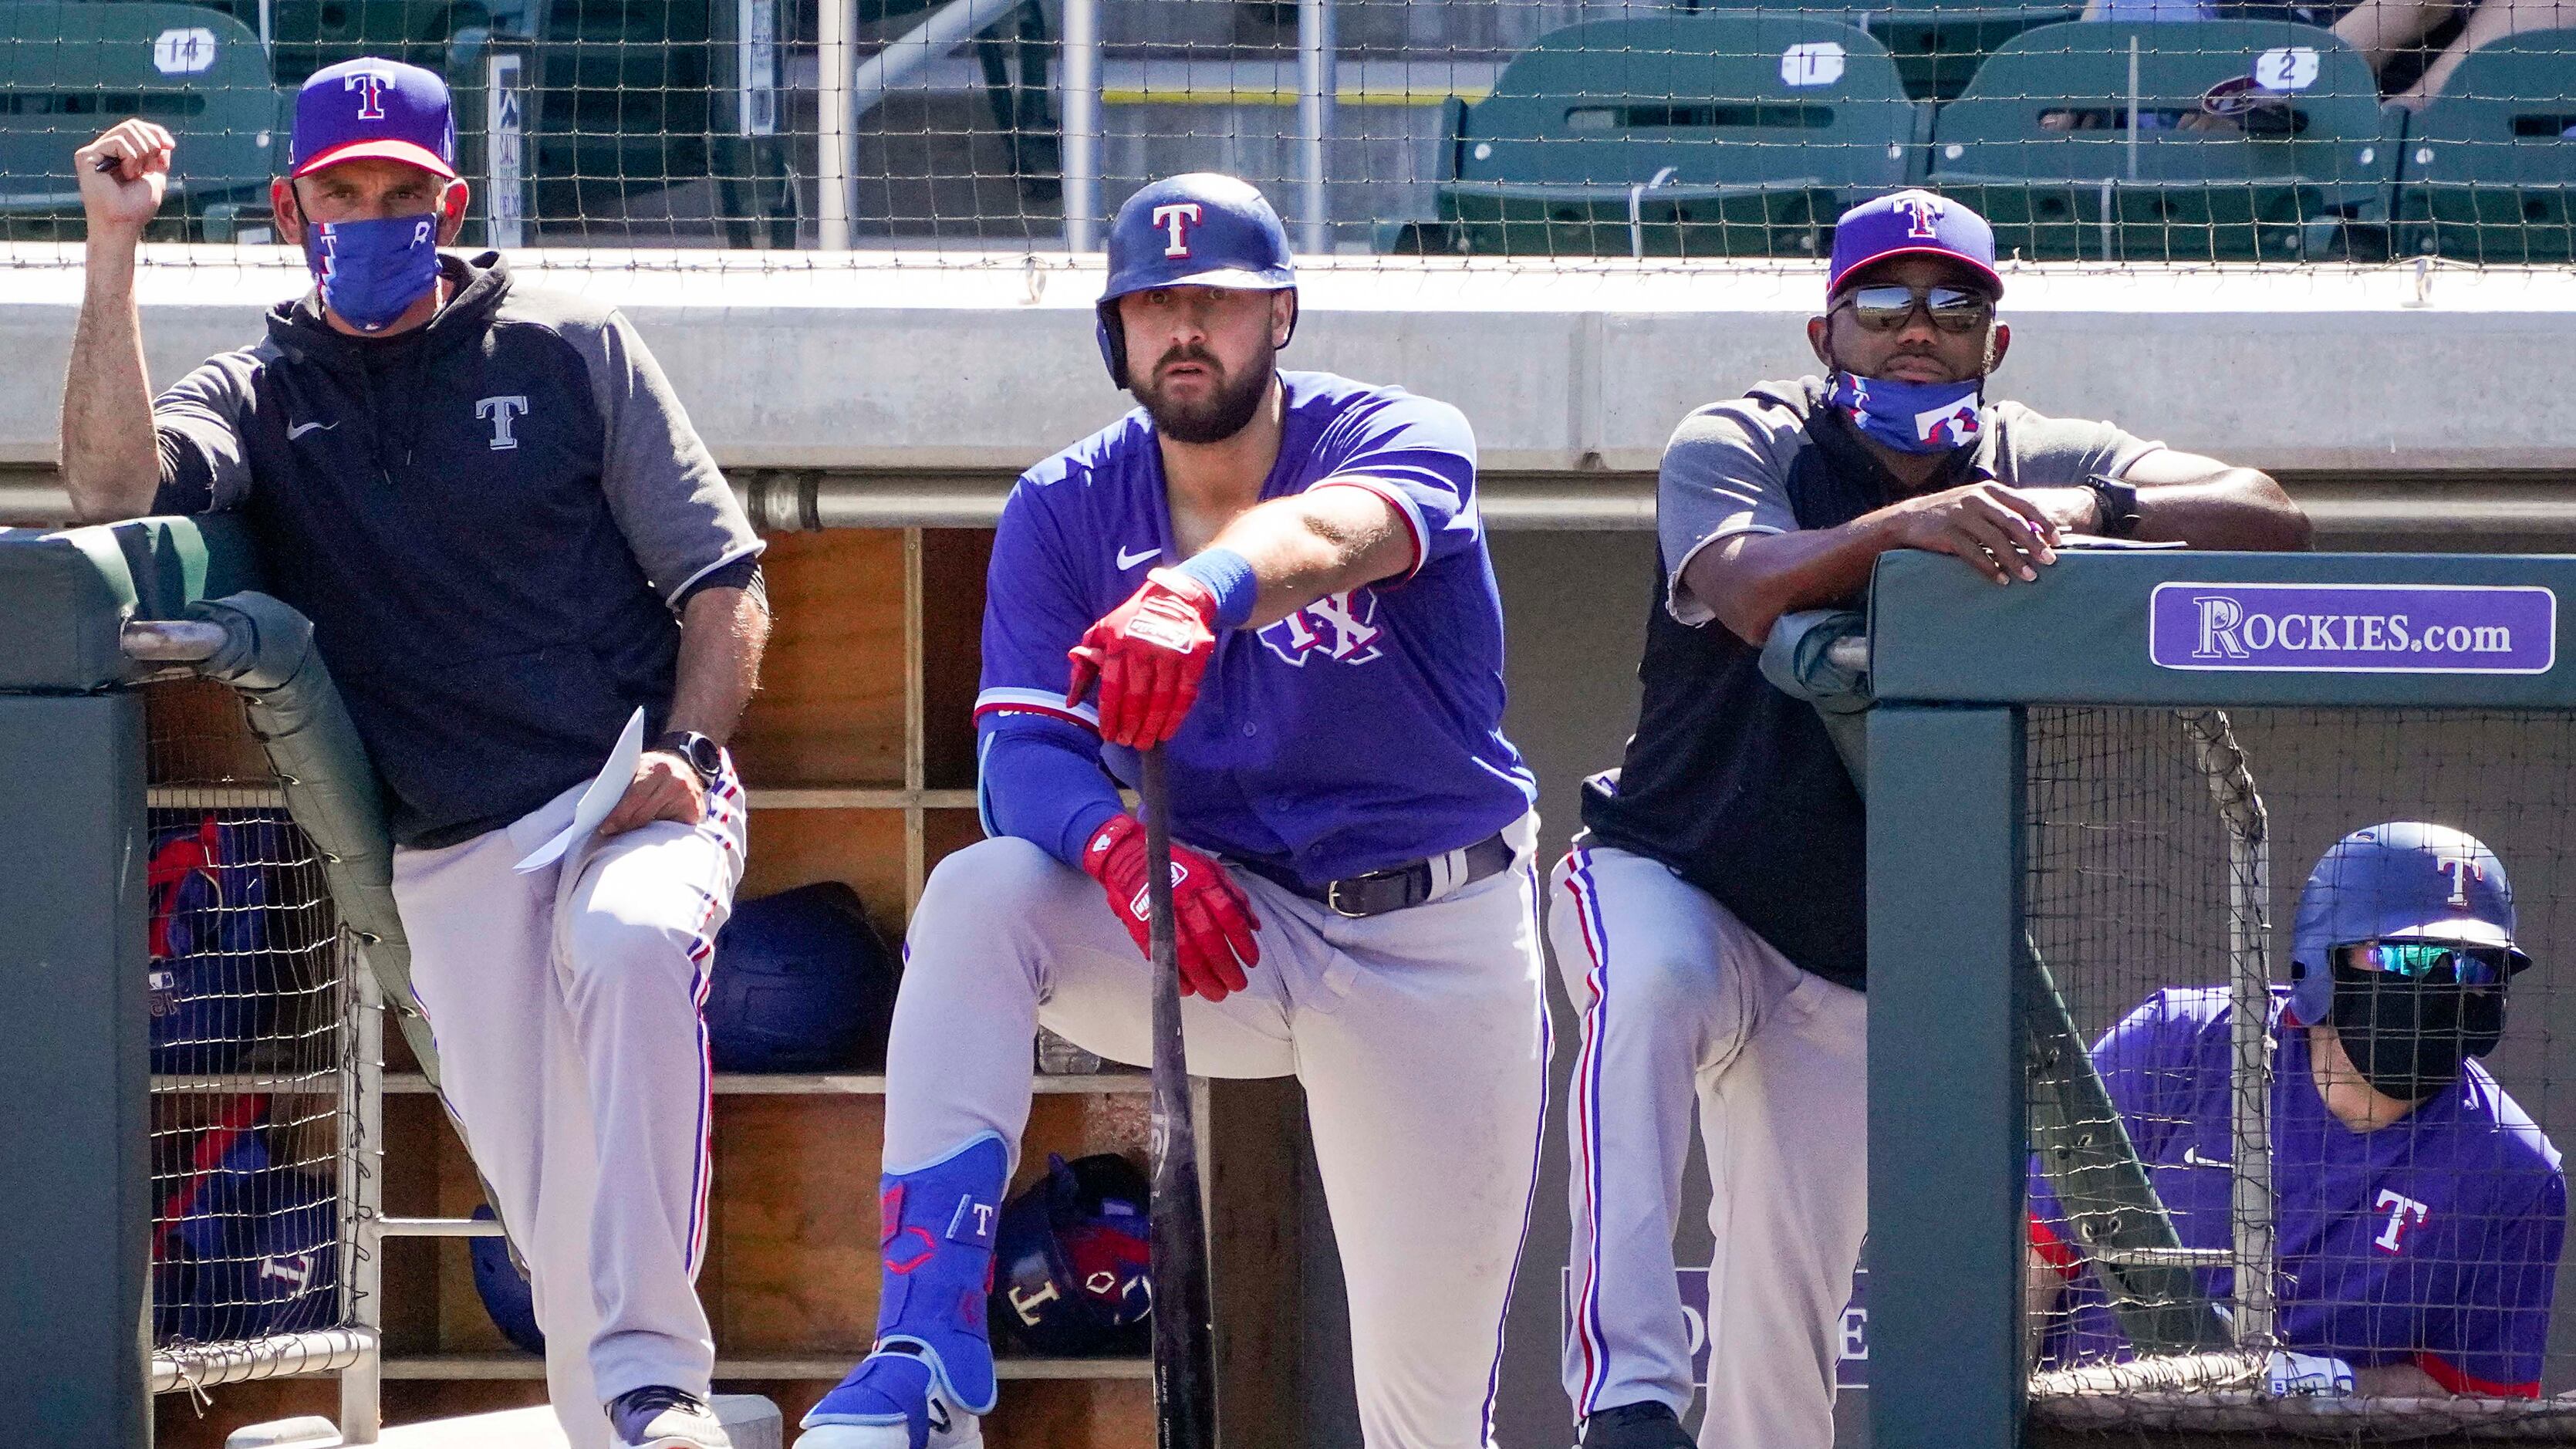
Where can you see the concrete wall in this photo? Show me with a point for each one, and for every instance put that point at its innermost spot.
(908, 361)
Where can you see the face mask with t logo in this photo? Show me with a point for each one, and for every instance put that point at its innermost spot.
(1911, 417)
(372, 271)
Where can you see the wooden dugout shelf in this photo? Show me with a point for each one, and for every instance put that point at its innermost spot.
(859, 758)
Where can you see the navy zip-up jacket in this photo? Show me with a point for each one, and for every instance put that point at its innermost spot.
(492, 521)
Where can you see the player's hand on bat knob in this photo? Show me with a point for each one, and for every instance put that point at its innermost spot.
(665, 788)
(1998, 531)
(1212, 920)
(1147, 655)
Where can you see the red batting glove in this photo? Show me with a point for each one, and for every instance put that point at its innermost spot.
(1148, 654)
(1212, 920)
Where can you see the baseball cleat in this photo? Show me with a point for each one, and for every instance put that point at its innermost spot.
(1635, 1426)
(658, 1417)
(890, 1401)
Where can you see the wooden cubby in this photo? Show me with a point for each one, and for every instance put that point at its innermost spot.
(859, 757)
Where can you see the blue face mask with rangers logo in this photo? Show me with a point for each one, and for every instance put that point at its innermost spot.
(1911, 417)
(372, 271)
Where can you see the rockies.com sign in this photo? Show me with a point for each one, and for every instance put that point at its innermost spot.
(2354, 628)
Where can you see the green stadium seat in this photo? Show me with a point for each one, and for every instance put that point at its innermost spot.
(1937, 43)
(1704, 135)
(70, 71)
(2488, 171)
(2042, 141)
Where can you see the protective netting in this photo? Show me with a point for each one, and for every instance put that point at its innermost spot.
(2122, 131)
(2275, 1241)
(249, 1045)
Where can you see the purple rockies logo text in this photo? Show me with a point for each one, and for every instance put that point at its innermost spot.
(2354, 628)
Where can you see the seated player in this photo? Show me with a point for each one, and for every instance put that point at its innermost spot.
(1282, 574)
(2417, 1210)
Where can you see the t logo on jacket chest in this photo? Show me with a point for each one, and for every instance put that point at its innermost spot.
(499, 411)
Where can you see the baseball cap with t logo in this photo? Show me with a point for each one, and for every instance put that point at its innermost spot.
(371, 107)
(1913, 223)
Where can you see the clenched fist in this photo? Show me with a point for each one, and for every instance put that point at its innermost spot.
(123, 176)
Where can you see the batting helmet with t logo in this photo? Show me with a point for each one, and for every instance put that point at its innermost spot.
(1199, 229)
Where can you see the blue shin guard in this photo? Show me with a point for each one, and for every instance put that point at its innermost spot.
(936, 1237)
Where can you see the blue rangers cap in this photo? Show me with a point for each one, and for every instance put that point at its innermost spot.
(372, 107)
(1198, 229)
(2401, 881)
(1912, 223)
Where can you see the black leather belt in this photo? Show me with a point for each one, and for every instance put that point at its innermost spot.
(1397, 886)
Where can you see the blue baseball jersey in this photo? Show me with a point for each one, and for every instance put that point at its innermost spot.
(1363, 731)
(2433, 1240)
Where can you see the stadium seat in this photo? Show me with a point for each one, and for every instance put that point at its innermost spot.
(2251, 139)
(69, 71)
(1937, 43)
(1705, 135)
(2488, 172)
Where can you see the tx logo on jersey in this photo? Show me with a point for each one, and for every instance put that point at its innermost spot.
(2404, 1213)
(1341, 627)
(1176, 221)
(499, 411)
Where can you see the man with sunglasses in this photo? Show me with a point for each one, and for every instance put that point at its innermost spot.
(2417, 1210)
(1709, 921)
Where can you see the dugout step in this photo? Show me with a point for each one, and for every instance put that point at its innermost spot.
(751, 1420)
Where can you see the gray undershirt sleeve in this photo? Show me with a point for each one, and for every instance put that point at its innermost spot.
(663, 487)
(1721, 477)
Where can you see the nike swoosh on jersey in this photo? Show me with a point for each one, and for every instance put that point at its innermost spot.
(1128, 560)
(300, 429)
(2191, 1158)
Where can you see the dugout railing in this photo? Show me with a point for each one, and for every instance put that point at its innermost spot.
(2105, 783)
(213, 1191)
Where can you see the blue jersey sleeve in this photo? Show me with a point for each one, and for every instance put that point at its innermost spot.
(1034, 611)
(2146, 1062)
(2491, 1341)
(1419, 455)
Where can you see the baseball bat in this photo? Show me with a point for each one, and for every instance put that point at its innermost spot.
(1184, 1324)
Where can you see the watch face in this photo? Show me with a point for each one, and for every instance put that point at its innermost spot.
(707, 755)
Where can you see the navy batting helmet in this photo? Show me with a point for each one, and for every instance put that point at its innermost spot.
(1073, 1260)
(1198, 229)
(801, 983)
(2404, 880)
(505, 1291)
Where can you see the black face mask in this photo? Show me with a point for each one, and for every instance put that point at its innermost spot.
(2407, 1038)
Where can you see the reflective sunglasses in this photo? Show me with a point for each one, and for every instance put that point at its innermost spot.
(2436, 961)
(1955, 310)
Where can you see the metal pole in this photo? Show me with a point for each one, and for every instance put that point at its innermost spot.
(2249, 949)
(362, 1157)
(833, 28)
(1315, 95)
(1081, 125)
